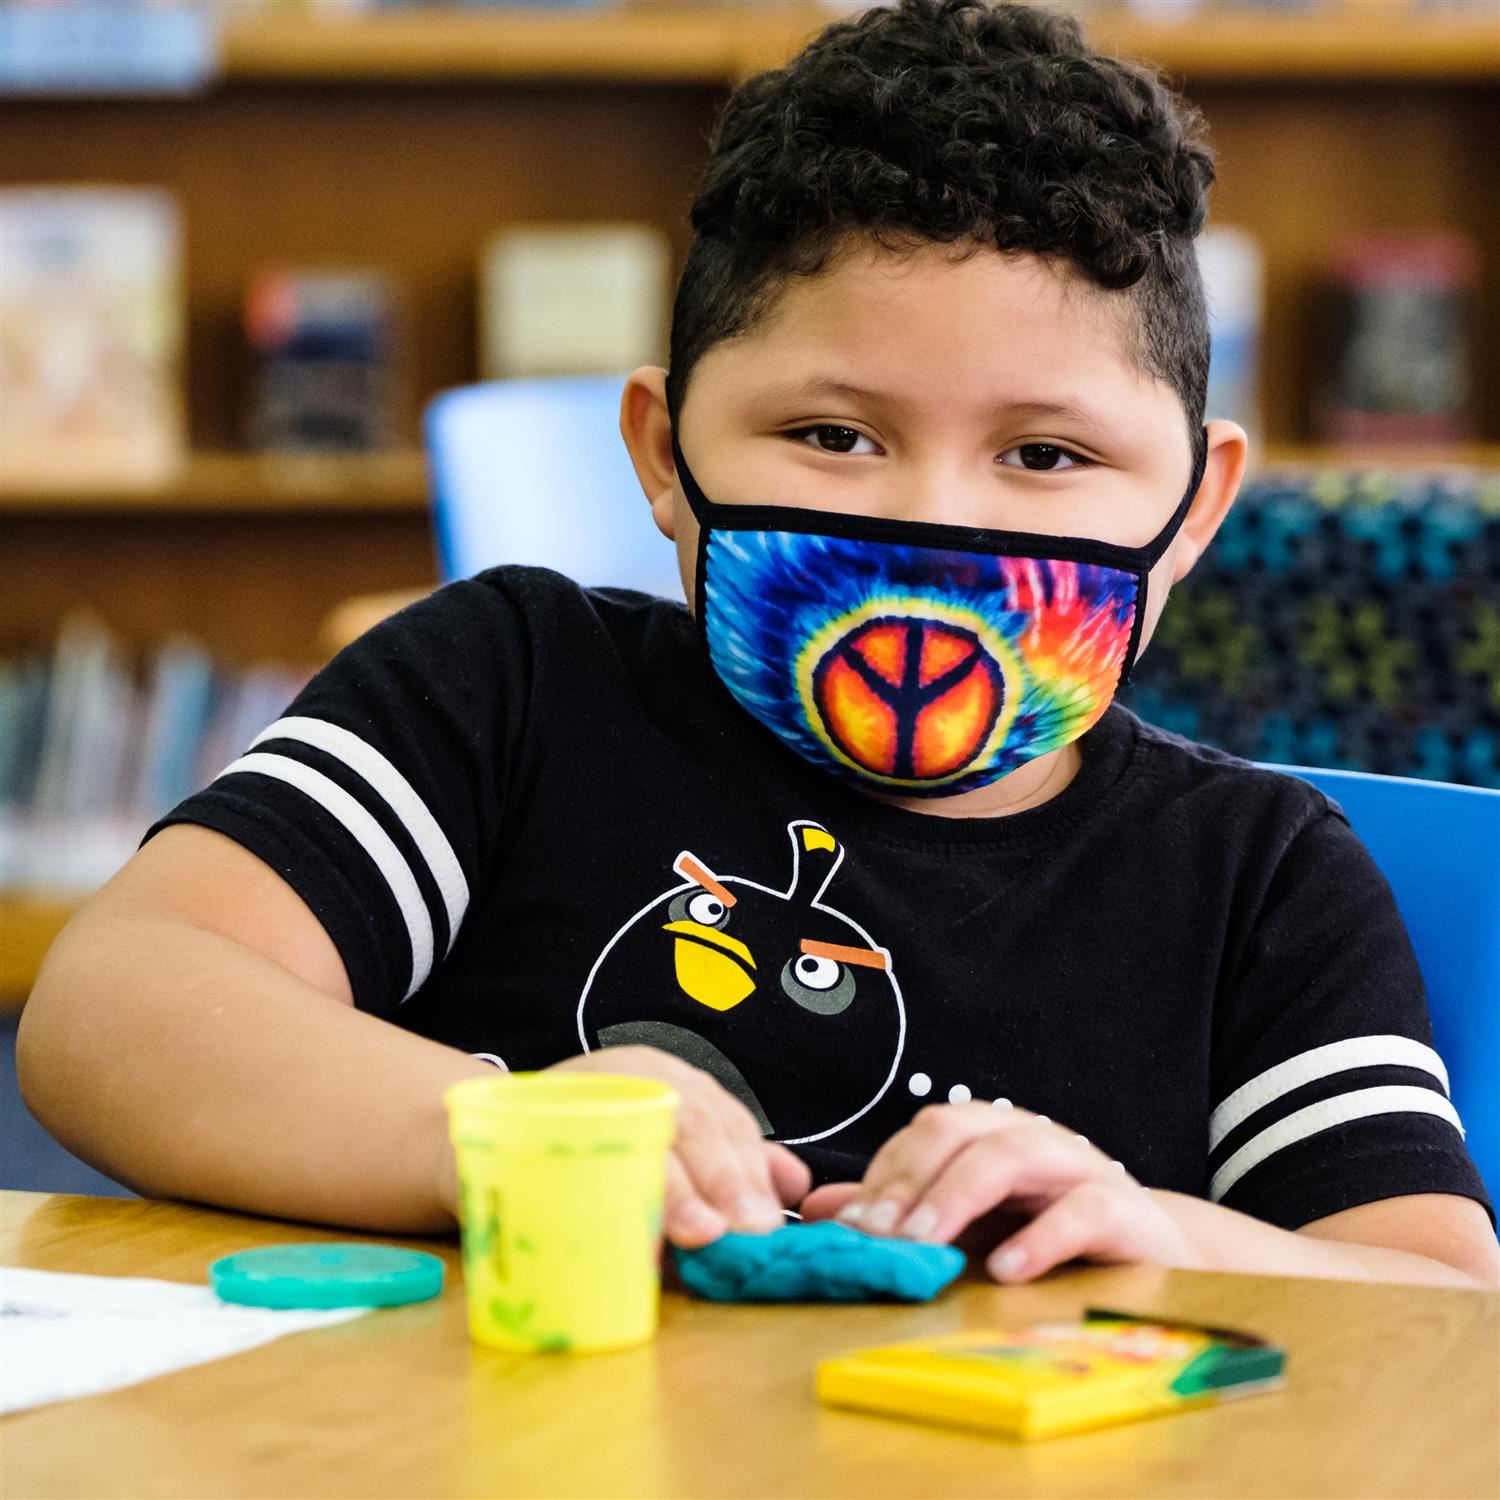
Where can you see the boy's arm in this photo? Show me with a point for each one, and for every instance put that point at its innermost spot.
(1048, 1196)
(193, 1034)
(1436, 1239)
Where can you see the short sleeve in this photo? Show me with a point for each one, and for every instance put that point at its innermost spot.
(380, 793)
(1327, 1091)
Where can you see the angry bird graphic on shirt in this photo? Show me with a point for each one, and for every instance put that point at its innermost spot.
(786, 1001)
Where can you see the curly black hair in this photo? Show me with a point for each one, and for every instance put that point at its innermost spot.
(965, 122)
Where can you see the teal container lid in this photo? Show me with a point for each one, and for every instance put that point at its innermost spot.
(354, 1275)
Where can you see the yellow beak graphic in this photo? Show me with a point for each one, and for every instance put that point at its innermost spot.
(709, 965)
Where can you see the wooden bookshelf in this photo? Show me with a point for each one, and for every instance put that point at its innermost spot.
(220, 483)
(1396, 456)
(678, 44)
(1363, 41)
(403, 140)
(719, 44)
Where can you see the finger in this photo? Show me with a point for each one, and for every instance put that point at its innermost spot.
(758, 1205)
(826, 1201)
(1104, 1221)
(728, 1171)
(790, 1177)
(1028, 1167)
(904, 1167)
(718, 1139)
(686, 1218)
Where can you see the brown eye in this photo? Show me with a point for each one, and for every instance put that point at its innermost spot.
(829, 437)
(1043, 457)
(1040, 456)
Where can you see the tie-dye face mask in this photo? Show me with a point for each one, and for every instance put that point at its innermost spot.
(910, 657)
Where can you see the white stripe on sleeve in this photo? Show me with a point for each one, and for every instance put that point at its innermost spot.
(1388, 1099)
(1320, 1062)
(369, 835)
(399, 794)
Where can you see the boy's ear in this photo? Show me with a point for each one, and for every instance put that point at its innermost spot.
(1223, 469)
(647, 429)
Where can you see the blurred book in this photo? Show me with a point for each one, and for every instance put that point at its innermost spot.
(1234, 284)
(573, 300)
(91, 317)
(95, 746)
(323, 349)
(178, 698)
(515, 4)
(1397, 367)
(500, 4)
(1164, 10)
(108, 46)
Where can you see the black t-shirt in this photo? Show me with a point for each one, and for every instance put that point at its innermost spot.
(533, 821)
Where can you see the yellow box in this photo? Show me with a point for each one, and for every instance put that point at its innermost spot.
(1054, 1378)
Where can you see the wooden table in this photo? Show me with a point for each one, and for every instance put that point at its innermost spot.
(1391, 1390)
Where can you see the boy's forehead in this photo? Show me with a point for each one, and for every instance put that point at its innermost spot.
(942, 290)
(1002, 327)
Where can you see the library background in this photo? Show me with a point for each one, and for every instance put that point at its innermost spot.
(243, 245)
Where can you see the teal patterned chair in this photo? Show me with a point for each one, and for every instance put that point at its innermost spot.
(1342, 618)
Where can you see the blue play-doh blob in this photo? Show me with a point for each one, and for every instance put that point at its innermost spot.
(824, 1262)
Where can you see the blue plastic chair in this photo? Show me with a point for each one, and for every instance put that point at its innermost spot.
(1439, 847)
(534, 471)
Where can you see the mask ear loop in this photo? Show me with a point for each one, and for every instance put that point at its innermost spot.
(697, 501)
(699, 504)
(1155, 551)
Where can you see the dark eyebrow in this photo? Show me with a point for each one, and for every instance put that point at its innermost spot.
(802, 389)
(1066, 411)
(1063, 409)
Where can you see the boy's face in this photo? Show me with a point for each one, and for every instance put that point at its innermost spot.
(926, 381)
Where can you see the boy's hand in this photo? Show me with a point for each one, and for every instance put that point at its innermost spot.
(722, 1173)
(1011, 1170)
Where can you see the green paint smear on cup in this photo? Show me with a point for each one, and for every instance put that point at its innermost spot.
(516, 1321)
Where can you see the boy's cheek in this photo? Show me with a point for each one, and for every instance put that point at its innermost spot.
(682, 530)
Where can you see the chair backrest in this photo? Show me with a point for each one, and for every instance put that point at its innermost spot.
(1439, 847)
(534, 471)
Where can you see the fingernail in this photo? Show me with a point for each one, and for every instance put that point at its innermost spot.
(883, 1216)
(756, 1213)
(920, 1222)
(852, 1213)
(694, 1217)
(1007, 1263)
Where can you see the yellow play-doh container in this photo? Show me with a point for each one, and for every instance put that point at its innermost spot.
(561, 1179)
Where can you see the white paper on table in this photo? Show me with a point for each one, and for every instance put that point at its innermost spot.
(63, 1335)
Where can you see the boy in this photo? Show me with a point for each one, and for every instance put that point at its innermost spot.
(859, 852)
